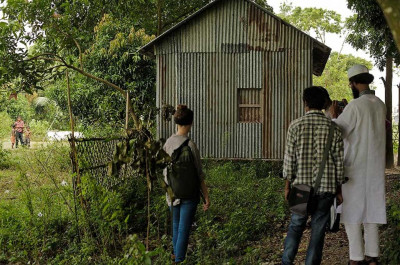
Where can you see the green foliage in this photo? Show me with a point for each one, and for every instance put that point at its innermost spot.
(369, 31)
(38, 123)
(38, 129)
(18, 107)
(391, 254)
(334, 77)
(5, 126)
(4, 157)
(40, 224)
(318, 20)
(391, 9)
(395, 137)
(247, 205)
(113, 57)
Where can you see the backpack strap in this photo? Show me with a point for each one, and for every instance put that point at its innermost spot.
(177, 152)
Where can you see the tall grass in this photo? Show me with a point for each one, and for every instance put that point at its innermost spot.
(41, 222)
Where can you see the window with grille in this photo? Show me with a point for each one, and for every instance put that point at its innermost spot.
(249, 105)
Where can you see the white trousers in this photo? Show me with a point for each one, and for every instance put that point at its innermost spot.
(358, 248)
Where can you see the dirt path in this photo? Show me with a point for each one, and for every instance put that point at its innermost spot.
(336, 244)
(34, 145)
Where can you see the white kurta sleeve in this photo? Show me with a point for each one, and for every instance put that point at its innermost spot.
(347, 120)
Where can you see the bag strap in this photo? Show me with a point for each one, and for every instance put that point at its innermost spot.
(177, 152)
(325, 157)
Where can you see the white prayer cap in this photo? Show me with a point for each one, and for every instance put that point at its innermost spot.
(356, 70)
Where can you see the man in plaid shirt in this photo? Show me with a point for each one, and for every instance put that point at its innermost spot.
(305, 144)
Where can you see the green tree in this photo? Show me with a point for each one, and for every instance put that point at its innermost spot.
(317, 20)
(370, 31)
(334, 77)
(113, 56)
(391, 10)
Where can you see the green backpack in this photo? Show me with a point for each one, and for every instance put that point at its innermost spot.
(182, 174)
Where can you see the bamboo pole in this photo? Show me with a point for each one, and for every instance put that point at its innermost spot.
(127, 111)
(75, 164)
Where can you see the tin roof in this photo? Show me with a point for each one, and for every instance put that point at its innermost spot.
(321, 52)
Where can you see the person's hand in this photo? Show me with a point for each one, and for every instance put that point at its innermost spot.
(334, 109)
(287, 191)
(206, 205)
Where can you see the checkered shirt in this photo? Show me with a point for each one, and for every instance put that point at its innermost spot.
(305, 144)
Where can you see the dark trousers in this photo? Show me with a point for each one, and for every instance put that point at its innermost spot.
(297, 225)
(18, 137)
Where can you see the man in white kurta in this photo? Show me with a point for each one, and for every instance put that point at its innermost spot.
(363, 127)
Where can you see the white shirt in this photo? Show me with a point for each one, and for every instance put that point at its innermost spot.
(363, 127)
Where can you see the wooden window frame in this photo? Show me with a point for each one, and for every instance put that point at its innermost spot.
(254, 106)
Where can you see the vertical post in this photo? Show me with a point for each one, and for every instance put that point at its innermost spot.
(148, 203)
(388, 102)
(74, 155)
(127, 111)
(398, 128)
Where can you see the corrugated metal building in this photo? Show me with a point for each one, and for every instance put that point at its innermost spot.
(242, 70)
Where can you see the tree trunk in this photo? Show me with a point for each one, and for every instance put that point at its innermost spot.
(391, 11)
(398, 129)
(388, 102)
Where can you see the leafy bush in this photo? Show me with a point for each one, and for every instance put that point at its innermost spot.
(4, 158)
(20, 107)
(391, 236)
(39, 129)
(247, 206)
(43, 225)
(5, 126)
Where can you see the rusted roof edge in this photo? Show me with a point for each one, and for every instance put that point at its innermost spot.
(321, 54)
(317, 44)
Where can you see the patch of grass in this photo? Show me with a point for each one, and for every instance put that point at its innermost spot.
(39, 224)
(247, 207)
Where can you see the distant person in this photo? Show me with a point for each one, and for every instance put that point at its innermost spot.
(184, 209)
(363, 126)
(13, 136)
(306, 140)
(28, 134)
(19, 127)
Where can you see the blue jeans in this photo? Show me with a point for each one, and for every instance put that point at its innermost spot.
(183, 217)
(297, 224)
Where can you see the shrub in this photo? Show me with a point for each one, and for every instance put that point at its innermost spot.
(5, 126)
(39, 129)
(43, 225)
(391, 236)
(4, 158)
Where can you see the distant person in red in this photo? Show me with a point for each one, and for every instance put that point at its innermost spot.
(19, 131)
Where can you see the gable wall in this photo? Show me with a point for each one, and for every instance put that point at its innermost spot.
(229, 47)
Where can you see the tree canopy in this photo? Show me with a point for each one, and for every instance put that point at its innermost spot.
(318, 20)
(369, 31)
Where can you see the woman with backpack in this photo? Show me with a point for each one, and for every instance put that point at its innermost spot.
(186, 178)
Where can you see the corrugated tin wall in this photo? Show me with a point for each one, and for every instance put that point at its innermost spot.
(235, 61)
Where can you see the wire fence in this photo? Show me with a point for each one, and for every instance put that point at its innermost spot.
(94, 156)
